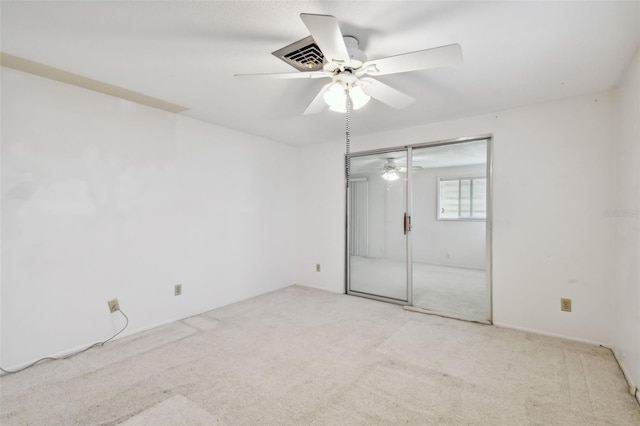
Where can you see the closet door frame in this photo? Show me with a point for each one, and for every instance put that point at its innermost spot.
(409, 201)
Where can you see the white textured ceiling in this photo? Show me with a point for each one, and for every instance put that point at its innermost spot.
(515, 53)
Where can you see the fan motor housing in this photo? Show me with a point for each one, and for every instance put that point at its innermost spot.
(354, 51)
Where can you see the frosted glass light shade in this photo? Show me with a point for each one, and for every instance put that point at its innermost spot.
(358, 97)
(335, 97)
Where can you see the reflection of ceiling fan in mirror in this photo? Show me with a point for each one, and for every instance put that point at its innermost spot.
(329, 54)
(390, 169)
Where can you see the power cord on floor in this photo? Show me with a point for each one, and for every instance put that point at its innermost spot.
(72, 354)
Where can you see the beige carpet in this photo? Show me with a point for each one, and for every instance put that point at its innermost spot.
(301, 356)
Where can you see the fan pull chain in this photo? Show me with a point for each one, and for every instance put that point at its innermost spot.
(347, 158)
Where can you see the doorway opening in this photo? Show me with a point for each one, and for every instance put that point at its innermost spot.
(419, 224)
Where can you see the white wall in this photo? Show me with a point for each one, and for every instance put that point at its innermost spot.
(104, 198)
(625, 215)
(320, 213)
(552, 180)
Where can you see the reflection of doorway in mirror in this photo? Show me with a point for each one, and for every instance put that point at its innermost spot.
(359, 217)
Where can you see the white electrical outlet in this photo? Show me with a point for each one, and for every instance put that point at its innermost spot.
(317, 267)
(177, 290)
(113, 305)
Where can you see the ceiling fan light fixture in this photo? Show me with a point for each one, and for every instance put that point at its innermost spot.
(390, 175)
(358, 97)
(335, 96)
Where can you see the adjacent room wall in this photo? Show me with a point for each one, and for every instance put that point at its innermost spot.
(104, 198)
(551, 187)
(625, 214)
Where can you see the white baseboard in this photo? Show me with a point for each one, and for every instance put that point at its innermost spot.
(633, 389)
(544, 333)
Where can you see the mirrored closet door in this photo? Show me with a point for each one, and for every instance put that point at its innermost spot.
(417, 228)
(377, 240)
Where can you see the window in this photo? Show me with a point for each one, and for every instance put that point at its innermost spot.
(462, 199)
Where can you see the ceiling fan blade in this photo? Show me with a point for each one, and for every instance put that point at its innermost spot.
(387, 94)
(326, 33)
(283, 76)
(415, 61)
(317, 104)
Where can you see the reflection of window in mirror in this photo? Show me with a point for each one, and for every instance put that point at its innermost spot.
(462, 198)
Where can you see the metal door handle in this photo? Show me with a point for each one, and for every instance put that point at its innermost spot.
(405, 224)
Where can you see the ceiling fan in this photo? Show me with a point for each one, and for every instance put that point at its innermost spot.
(340, 59)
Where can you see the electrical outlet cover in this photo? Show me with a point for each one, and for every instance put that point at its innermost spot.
(113, 305)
